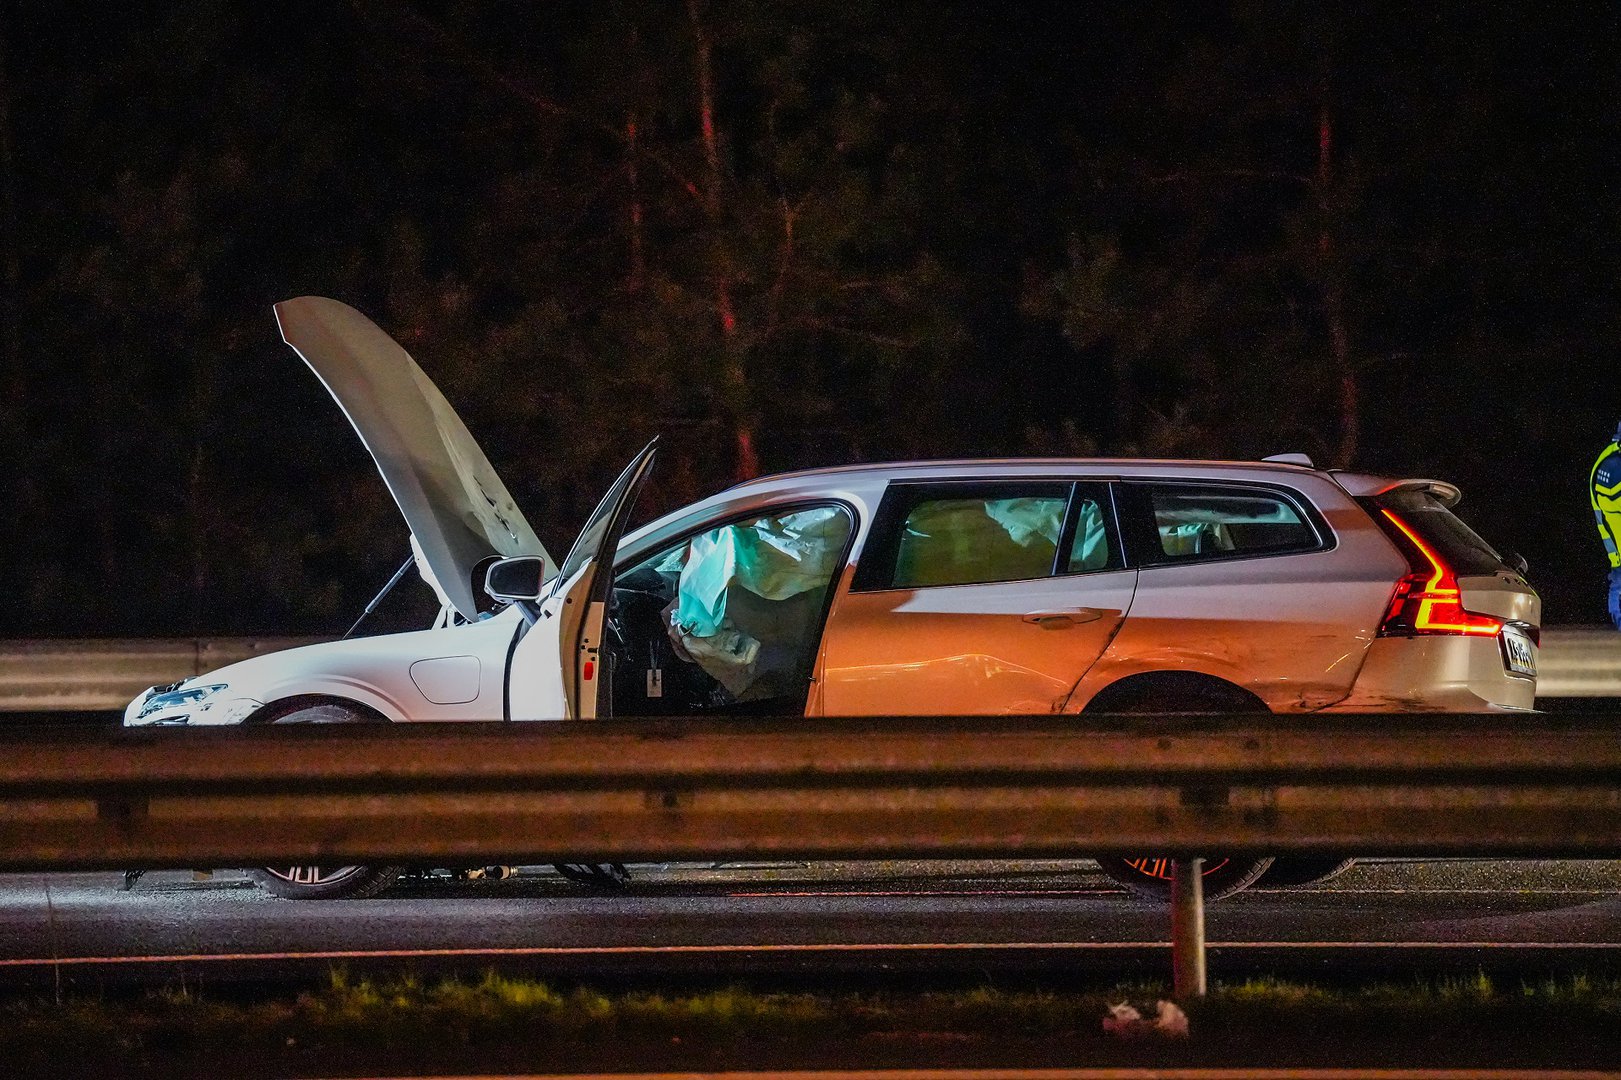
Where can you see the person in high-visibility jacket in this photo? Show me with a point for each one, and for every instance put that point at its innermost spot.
(1604, 489)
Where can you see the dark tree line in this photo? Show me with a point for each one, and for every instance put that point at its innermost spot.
(779, 234)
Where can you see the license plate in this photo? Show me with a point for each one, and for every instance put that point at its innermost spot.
(1519, 655)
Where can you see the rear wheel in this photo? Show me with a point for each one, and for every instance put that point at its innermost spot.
(325, 882)
(1180, 692)
(1303, 870)
(1150, 878)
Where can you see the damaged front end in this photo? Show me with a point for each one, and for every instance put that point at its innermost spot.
(189, 702)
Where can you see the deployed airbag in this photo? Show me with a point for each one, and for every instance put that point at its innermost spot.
(774, 560)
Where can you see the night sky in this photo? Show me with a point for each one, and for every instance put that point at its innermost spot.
(780, 234)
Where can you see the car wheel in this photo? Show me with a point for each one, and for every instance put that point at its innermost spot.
(1150, 878)
(1181, 692)
(325, 882)
(1303, 870)
(609, 877)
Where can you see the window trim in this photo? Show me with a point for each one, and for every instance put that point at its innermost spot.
(875, 571)
(1136, 518)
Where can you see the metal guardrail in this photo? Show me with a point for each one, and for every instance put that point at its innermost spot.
(673, 789)
(620, 790)
(615, 790)
(100, 674)
(1436, 784)
(1579, 661)
(94, 674)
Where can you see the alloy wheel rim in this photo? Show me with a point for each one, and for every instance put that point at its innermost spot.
(313, 875)
(1161, 868)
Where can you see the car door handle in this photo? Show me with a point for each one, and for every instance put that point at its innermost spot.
(1061, 619)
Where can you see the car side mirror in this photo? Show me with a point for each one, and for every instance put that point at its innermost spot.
(519, 577)
(1517, 561)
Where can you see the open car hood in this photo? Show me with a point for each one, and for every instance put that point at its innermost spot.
(456, 506)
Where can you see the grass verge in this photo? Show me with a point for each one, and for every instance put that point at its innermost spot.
(403, 1025)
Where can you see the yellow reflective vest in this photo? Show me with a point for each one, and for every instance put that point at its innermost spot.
(1604, 488)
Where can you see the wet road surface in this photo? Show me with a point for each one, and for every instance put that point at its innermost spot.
(788, 921)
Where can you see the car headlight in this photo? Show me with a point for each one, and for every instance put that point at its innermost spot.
(174, 699)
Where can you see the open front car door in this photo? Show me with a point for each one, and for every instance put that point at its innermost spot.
(555, 667)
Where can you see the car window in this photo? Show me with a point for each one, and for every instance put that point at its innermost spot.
(982, 533)
(601, 520)
(959, 541)
(1195, 523)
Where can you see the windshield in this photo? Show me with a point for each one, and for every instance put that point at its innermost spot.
(590, 538)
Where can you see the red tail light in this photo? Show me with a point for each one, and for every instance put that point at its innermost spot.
(1427, 600)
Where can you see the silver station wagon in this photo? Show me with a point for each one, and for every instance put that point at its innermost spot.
(942, 587)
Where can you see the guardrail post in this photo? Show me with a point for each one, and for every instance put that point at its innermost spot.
(1187, 928)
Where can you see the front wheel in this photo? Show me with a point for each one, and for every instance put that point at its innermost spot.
(1150, 878)
(325, 882)
(608, 877)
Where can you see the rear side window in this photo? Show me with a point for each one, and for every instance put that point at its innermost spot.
(1459, 546)
(964, 534)
(1195, 523)
(957, 541)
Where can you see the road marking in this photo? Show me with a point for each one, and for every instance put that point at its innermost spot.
(644, 950)
(1106, 1073)
(1099, 891)
(1108, 890)
(1501, 890)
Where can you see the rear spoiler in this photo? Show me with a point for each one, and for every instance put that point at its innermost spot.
(1363, 486)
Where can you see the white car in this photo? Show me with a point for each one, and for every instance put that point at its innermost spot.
(997, 586)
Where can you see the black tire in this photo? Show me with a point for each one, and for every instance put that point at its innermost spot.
(1180, 692)
(325, 882)
(609, 877)
(1150, 878)
(1290, 870)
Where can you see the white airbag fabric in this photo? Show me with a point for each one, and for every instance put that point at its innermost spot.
(773, 558)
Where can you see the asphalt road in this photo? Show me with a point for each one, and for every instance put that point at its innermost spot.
(788, 922)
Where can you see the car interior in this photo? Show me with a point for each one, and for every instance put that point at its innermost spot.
(724, 621)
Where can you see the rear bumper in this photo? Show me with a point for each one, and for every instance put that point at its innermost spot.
(1437, 674)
